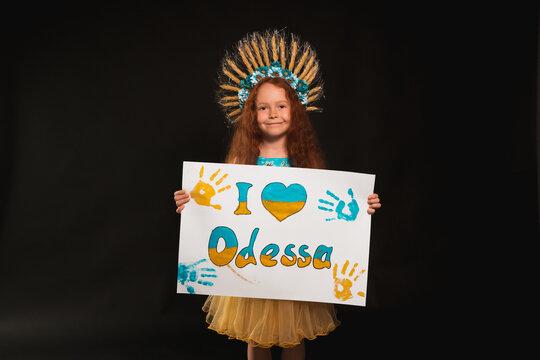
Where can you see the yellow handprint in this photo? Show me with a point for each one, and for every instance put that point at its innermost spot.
(203, 192)
(342, 286)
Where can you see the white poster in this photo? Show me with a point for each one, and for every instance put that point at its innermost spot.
(275, 232)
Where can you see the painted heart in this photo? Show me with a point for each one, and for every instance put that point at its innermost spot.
(282, 201)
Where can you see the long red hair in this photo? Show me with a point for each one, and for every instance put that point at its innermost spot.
(302, 145)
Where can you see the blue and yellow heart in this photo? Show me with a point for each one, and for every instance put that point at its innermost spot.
(283, 201)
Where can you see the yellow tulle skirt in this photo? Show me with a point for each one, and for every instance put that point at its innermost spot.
(266, 323)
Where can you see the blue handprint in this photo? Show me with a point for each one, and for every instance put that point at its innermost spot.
(190, 273)
(352, 206)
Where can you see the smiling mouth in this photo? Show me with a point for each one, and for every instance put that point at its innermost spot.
(275, 123)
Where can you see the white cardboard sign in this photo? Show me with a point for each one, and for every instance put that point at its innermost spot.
(275, 232)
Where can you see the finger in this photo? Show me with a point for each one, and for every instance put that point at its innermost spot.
(180, 197)
(371, 211)
(181, 193)
(198, 262)
(181, 202)
(179, 209)
(375, 206)
(373, 196)
(373, 201)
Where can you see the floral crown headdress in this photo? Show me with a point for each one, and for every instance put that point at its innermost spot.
(268, 55)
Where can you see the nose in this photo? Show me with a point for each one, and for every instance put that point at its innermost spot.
(272, 113)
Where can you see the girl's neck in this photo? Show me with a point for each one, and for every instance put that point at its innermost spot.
(273, 149)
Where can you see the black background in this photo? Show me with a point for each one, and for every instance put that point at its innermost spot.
(101, 103)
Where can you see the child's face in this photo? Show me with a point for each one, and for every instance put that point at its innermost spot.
(273, 111)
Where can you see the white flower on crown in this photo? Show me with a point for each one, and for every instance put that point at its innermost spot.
(275, 70)
(255, 77)
(242, 96)
(303, 98)
(292, 79)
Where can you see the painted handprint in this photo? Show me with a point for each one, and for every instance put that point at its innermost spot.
(203, 192)
(191, 273)
(343, 285)
(330, 206)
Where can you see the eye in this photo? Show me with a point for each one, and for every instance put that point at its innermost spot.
(282, 106)
(261, 108)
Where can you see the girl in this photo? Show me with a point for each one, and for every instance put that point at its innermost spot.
(273, 129)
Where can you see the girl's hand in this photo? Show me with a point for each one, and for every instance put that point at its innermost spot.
(374, 203)
(180, 198)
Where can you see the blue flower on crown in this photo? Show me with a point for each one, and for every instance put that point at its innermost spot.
(302, 87)
(245, 84)
(263, 70)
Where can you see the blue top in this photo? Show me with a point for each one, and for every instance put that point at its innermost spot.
(273, 161)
